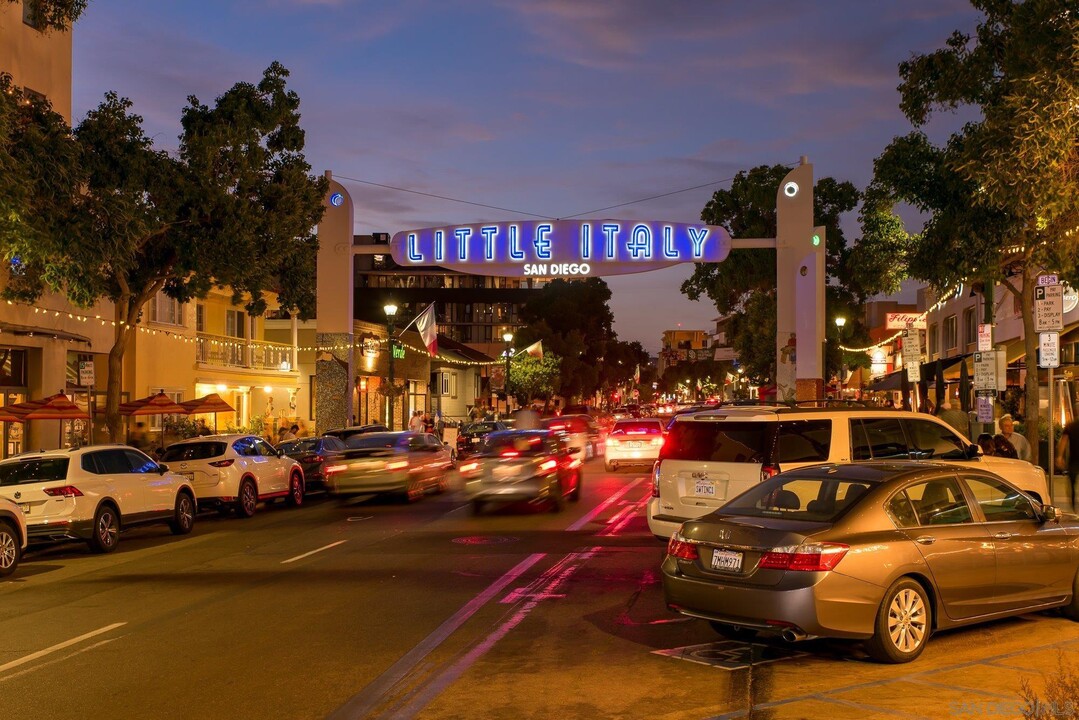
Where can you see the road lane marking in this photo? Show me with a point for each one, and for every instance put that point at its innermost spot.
(59, 646)
(603, 506)
(618, 523)
(42, 666)
(309, 554)
(361, 704)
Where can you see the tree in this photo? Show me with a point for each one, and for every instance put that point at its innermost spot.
(532, 377)
(235, 208)
(745, 285)
(1001, 195)
(54, 14)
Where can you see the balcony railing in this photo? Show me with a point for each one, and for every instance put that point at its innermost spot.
(243, 353)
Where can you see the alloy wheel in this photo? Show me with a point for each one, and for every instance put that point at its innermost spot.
(186, 513)
(248, 498)
(106, 529)
(907, 620)
(9, 551)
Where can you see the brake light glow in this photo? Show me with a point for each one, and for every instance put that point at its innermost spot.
(468, 467)
(397, 465)
(655, 479)
(678, 547)
(312, 459)
(575, 463)
(65, 491)
(548, 465)
(335, 468)
(811, 557)
(613, 442)
(509, 453)
(768, 471)
(657, 441)
(223, 463)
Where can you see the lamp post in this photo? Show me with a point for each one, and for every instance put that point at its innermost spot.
(840, 321)
(508, 337)
(391, 312)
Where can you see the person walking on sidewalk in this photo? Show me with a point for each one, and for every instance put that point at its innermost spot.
(1068, 456)
(1007, 429)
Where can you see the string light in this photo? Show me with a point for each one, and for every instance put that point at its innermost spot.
(921, 316)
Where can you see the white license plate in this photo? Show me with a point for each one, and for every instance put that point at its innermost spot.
(704, 487)
(476, 441)
(635, 444)
(727, 560)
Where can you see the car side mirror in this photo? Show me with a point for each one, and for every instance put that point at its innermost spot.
(972, 451)
(162, 468)
(1049, 513)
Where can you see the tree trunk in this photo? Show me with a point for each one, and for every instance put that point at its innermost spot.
(1030, 343)
(116, 369)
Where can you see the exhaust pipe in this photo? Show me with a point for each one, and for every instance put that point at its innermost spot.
(793, 635)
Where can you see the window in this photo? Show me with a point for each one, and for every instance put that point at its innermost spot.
(902, 511)
(725, 441)
(140, 463)
(200, 317)
(1000, 502)
(930, 440)
(877, 439)
(236, 323)
(932, 340)
(447, 384)
(264, 448)
(803, 441)
(177, 396)
(970, 327)
(951, 332)
(166, 310)
(107, 462)
(939, 502)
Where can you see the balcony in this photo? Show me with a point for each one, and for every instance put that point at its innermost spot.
(225, 351)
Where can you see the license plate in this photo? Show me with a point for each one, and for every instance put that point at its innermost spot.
(704, 487)
(727, 560)
(635, 444)
(476, 441)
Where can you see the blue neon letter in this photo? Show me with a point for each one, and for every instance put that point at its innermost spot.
(462, 242)
(516, 253)
(640, 242)
(698, 236)
(440, 245)
(586, 241)
(669, 250)
(542, 242)
(413, 254)
(489, 241)
(609, 231)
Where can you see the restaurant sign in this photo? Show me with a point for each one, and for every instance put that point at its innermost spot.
(560, 248)
(900, 320)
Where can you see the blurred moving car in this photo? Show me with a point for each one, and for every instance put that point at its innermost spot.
(236, 472)
(93, 492)
(529, 465)
(633, 442)
(471, 436)
(313, 454)
(583, 435)
(12, 536)
(343, 434)
(406, 463)
(885, 552)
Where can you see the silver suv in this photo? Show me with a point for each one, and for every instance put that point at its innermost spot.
(709, 457)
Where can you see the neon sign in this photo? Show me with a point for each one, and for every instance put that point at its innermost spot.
(557, 248)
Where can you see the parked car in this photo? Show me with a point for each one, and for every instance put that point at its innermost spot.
(583, 435)
(471, 436)
(406, 463)
(345, 433)
(633, 442)
(528, 465)
(12, 536)
(313, 454)
(888, 552)
(91, 493)
(709, 457)
(236, 472)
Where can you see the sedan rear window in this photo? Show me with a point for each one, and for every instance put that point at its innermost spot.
(812, 499)
(514, 444)
(637, 427)
(32, 471)
(719, 441)
(373, 440)
(193, 451)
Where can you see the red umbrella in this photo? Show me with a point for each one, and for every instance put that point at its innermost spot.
(159, 404)
(54, 407)
(211, 403)
(7, 417)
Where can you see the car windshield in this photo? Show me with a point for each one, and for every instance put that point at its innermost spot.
(815, 499)
(372, 440)
(33, 470)
(719, 441)
(514, 444)
(637, 427)
(298, 445)
(193, 451)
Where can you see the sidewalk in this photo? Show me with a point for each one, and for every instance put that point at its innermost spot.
(1059, 487)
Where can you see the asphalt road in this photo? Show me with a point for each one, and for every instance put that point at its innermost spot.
(387, 610)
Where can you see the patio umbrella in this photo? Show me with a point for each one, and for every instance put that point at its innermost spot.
(964, 387)
(904, 387)
(923, 395)
(54, 407)
(940, 390)
(5, 416)
(211, 403)
(159, 404)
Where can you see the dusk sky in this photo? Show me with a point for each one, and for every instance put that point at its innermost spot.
(547, 107)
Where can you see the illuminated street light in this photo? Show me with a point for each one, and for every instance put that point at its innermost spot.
(391, 312)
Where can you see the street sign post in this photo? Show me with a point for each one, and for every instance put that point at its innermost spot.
(1048, 308)
(1049, 350)
(912, 352)
(984, 400)
(985, 337)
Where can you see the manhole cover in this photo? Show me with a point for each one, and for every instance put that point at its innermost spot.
(731, 654)
(484, 540)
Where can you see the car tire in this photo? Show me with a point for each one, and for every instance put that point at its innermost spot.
(247, 498)
(1071, 610)
(903, 625)
(558, 500)
(10, 548)
(295, 491)
(183, 514)
(575, 494)
(478, 507)
(733, 632)
(105, 534)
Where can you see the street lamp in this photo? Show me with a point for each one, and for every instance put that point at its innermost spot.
(391, 311)
(840, 321)
(508, 337)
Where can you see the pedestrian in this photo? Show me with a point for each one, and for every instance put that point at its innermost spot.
(139, 438)
(1003, 448)
(428, 423)
(955, 417)
(201, 429)
(1066, 458)
(1007, 429)
(415, 423)
(985, 440)
(294, 431)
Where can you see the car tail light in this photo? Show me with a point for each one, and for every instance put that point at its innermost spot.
(678, 547)
(655, 479)
(768, 471)
(613, 442)
(813, 557)
(548, 465)
(657, 441)
(334, 468)
(65, 491)
(510, 453)
(469, 467)
(311, 459)
(575, 463)
(397, 465)
(223, 463)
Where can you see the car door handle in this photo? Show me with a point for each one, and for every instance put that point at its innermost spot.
(1004, 535)
(925, 540)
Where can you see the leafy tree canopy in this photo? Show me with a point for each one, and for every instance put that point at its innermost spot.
(54, 14)
(534, 377)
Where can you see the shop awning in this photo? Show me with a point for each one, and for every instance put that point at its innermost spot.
(31, 330)
(893, 381)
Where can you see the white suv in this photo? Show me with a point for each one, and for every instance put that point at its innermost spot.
(236, 472)
(12, 536)
(709, 457)
(91, 493)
